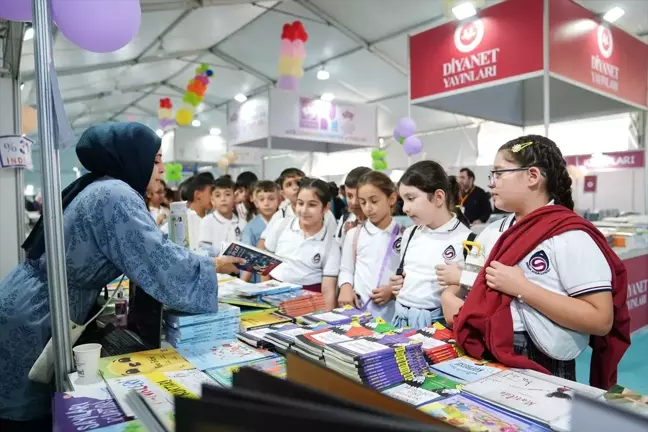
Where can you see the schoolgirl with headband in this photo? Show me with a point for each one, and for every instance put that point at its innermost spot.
(376, 242)
(306, 244)
(437, 237)
(551, 284)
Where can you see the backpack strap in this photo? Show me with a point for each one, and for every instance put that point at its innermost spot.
(471, 238)
(344, 219)
(401, 266)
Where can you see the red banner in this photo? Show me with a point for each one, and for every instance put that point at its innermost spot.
(599, 56)
(505, 42)
(627, 159)
(637, 291)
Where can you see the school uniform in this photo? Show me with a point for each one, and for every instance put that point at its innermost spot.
(370, 256)
(340, 233)
(418, 302)
(218, 231)
(194, 222)
(306, 260)
(286, 211)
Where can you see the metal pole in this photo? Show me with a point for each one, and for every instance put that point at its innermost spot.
(52, 205)
(546, 79)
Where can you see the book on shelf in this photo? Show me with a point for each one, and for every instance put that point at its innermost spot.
(85, 410)
(379, 325)
(257, 260)
(297, 303)
(415, 396)
(210, 356)
(275, 366)
(438, 384)
(177, 319)
(159, 360)
(229, 287)
(267, 288)
(466, 369)
(263, 319)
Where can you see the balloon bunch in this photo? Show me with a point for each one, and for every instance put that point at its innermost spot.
(379, 162)
(404, 134)
(173, 172)
(194, 95)
(165, 114)
(224, 162)
(99, 26)
(292, 55)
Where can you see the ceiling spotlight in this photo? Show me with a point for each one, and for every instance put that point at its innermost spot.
(159, 132)
(214, 131)
(381, 141)
(464, 10)
(328, 97)
(29, 34)
(240, 98)
(196, 123)
(323, 75)
(613, 14)
(22, 86)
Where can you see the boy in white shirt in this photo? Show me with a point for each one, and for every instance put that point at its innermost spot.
(222, 226)
(355, 215)
(198, 190)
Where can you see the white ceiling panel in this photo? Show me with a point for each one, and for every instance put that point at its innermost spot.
(396, 47)
(91, 119)
(205, 27)
(115, 101)
(258, 46)
(74, 110)
(311, 86)
(375, 19)
(150, 73)
(213, 119)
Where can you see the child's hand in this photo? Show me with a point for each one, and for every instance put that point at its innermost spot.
(381, 295)
(396, 283)
(448, 273)
(348, 297)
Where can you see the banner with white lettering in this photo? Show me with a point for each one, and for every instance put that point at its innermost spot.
(15, 152)
(637, 291)
(627, 159)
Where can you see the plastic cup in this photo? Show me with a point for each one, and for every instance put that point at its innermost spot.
(86, 358)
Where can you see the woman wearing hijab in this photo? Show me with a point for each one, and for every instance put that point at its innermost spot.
(108, 232)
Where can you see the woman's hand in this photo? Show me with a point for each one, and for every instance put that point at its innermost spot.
(448, 273)
(227, 264)
(381, 295)
(505, 279)
(396, 283)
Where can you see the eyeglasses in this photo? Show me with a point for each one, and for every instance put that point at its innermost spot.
(497, 174)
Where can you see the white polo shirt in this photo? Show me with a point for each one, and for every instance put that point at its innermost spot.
(216, 230)
(193, 228)
(364, 270)
(286, 211)
(306, 260)
(427, 249)
(340, 234)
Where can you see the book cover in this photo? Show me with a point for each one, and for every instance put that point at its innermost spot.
(129, 426)
(158, 389)
(258, 261)
(627, 399)
(255, 337)
(214, 330)
(289, 296)
(161, 360)
(86, 410)
(471, 415)
(249, 322)
(379, 325)
(412, 395)
(179, 319)
(210, 356)
(275, 366)
(433, 382)
(467, 369)
(536, 399)
(267, 288)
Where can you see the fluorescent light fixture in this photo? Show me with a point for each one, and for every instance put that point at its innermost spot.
(29, 34)
(323, 75)
(29, 190)
(22, 86)
(613, 14)
(381, 141)
(328, 97)
(464, 10)
(159, 132)
(240, 98)
(196, 123)
(214, 131)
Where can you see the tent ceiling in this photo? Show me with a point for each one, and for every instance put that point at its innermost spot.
(362, 43)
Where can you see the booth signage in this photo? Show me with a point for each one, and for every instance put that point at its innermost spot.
(248, 121)
(627, 159)
(505, 42)
(596, 55)
(589, 184)
(16, 152)
(637, 291)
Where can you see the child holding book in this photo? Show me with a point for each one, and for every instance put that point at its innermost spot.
(222, 226)
(306, 245)
(376, 242)
(437, 237)
(551, 280)
(354, 215)
(265, 196)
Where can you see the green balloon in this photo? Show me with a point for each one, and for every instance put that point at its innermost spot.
(401, 140)
(376, 154)
(173, 172)
(379, 165)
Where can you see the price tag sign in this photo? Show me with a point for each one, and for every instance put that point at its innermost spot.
(16, 152)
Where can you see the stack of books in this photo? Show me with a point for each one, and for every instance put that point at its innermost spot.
(275, 366)
(185, 329)
(312, 345)
(222, 354)
(266, 288)
(282, 339)
(296, 303)
(262, 319)
(339, 316)
(439, 344)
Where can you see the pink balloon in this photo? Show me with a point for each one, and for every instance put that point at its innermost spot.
(16, 10)
(286, 48)
(298, 49)
(98, 25)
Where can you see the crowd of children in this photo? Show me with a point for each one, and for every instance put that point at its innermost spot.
(557, 282)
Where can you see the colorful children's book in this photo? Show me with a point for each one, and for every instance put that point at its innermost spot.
(467, 369)
(257, 261)
(86, 410)
(263, 319)
(379, 325)
(159, 360)
(267, 288)
(438, 384)
(275, 366)
(412, 395)
(339, 316)
(210, 356)
(180, 319)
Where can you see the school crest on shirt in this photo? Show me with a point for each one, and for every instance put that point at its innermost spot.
(539, 263)
(317, 258)
(396, 247)
(237, 232)
(449, 253)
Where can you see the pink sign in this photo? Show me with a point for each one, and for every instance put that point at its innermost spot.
(322, 116)
(590, 183)
(627, 159)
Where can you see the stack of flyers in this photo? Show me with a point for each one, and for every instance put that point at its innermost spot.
(312, 345)
(439, 344)
(374, 363)
(275, 366)
(296, 303)
(341, 315)
(283, 336)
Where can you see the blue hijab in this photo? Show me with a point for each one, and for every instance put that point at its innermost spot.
(124, 151)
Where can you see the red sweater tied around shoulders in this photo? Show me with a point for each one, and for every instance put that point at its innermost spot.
(484, 323)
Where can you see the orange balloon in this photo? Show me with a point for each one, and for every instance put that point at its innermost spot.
(29, 119)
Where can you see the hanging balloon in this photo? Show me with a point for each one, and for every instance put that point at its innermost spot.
(412, 145)
(184, 117)
(223, 163)
(232, 157)
(173, 172)
(16, 10)
(29, 119)
(379, 165)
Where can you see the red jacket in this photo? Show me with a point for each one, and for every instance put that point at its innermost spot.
(484, 323)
